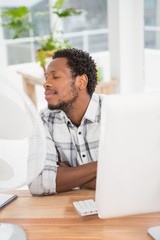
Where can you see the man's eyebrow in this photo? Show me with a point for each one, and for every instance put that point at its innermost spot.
(45, 74)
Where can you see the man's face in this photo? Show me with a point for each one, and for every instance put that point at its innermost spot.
(60, 87)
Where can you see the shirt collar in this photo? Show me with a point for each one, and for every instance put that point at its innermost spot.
(93, 109)
(46, 112)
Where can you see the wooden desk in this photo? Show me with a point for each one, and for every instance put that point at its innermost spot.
(54, 217)
(29, 85)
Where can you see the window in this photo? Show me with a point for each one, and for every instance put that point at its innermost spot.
(91, 24)
(152, 24)
(22, 49)
(89, 30)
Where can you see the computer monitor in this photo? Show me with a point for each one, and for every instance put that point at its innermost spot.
(128, 174)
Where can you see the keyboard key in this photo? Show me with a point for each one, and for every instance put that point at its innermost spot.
(85, 207)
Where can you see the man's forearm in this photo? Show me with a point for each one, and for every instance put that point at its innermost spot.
(90, 185)
(71, 177)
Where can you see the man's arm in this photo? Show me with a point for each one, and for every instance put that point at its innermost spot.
(71, 177)
(90, 185)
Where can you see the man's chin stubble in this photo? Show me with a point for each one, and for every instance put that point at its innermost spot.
(62, 107)
(65, 107)
(52, 107)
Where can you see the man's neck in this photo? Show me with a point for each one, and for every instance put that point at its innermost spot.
(77, 112)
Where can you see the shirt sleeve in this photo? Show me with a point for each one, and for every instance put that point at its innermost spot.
(45, 183)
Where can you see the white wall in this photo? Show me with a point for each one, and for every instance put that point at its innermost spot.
(152, 70)
(126, 43)
(103, 62)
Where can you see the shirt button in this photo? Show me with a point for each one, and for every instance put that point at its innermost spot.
(79, 133)
(83, 155)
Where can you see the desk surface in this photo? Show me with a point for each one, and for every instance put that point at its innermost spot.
(53, 217)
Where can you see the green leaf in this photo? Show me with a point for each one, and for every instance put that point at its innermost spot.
(52, 43)
(15, 13)
(67, 12)
(98, 74)
(58, 4)
(17, 20)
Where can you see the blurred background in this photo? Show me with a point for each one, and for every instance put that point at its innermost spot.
(123, 36)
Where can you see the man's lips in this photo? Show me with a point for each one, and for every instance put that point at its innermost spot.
(50, 93)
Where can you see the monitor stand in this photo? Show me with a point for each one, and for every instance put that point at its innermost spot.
(11, 232)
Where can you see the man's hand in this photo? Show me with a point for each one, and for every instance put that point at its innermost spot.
(71, 177)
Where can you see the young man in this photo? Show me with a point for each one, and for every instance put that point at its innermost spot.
(72, 124)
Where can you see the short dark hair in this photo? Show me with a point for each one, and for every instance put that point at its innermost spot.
(80, 62)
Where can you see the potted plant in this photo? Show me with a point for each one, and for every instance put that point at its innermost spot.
(52, 43)
(18, 21)
(47, 47)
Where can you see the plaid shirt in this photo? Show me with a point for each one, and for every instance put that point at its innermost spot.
(68, 143)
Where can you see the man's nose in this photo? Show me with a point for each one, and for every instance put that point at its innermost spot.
(47, 84)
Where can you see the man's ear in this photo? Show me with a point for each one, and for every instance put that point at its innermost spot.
(82, 81)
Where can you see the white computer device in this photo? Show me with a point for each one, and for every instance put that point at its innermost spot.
(128, 175)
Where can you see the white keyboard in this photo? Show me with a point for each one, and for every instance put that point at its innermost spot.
(85, 207)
